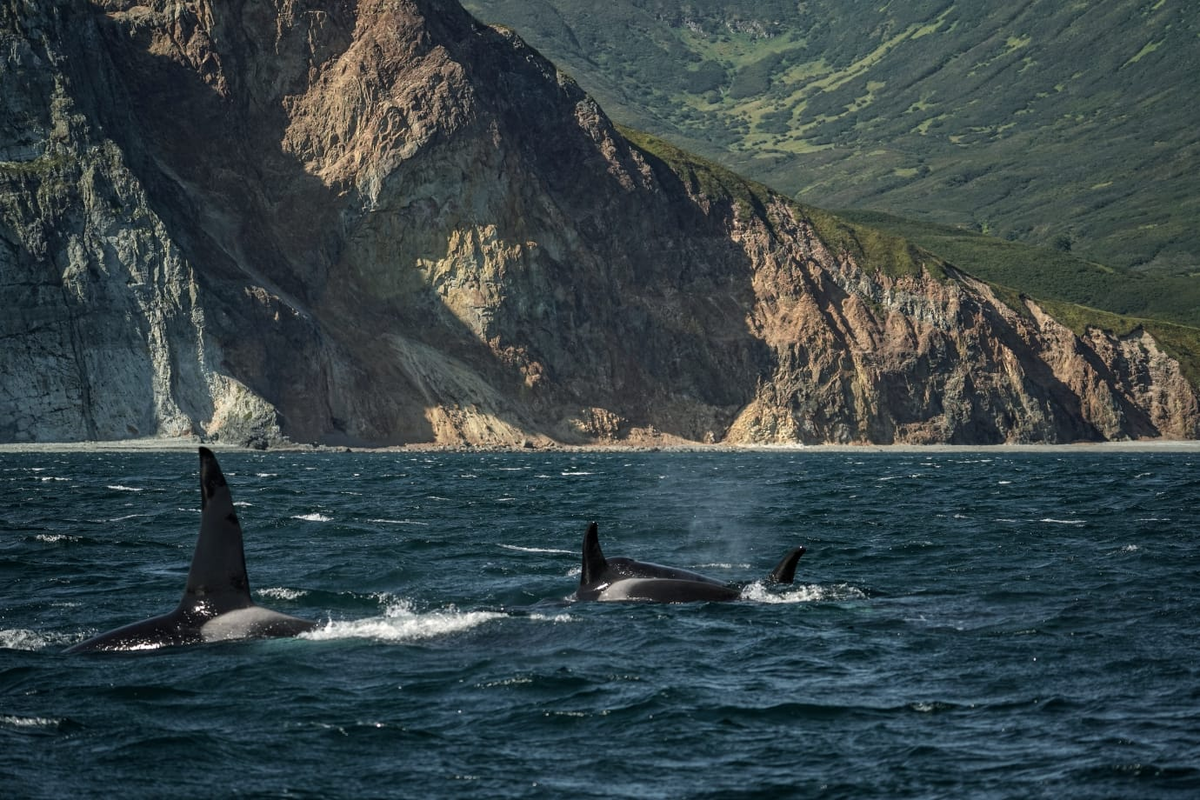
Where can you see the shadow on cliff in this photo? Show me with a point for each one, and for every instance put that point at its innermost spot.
(259, 231)
(649, 298)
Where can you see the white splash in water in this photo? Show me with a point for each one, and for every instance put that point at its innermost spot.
(117, 487)
(812, 593)
(400, 623)
(1051, 521)
(22, 639)
(314, 517)
(282, 593)
(28, 722)
(55, 538)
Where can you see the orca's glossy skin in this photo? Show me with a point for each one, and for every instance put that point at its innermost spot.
(216, 604)
(624, 579)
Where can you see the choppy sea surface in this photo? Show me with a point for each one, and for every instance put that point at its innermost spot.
(964, 624)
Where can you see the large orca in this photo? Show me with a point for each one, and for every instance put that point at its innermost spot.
(625, 579)
(216, 604)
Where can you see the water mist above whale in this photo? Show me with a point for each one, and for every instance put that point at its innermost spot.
(611, 579)
(216, 604)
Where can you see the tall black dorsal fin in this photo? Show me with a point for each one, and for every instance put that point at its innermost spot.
(218, 573)
(594, 563)
(785, 570)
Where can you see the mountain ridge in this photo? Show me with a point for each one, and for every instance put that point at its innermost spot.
(386, 223)
(1063, 125)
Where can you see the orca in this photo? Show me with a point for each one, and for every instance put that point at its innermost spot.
(216, 604)
(612, 579)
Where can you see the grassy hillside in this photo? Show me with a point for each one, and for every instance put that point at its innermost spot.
(1069, 125)
(1048, 272)
(1072, 290)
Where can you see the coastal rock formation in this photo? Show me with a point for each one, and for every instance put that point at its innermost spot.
(383, 222)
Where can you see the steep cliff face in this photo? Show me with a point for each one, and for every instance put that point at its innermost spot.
(104, 336)
(381, 222)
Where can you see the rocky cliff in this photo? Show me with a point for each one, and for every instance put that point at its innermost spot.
(382, 222)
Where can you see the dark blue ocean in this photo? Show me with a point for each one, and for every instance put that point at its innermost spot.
(964, 624)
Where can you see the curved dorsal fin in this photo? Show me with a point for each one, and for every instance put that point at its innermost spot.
(218, 573)
(785, 570)
(594, 563)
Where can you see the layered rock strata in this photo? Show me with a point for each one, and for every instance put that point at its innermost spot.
(383, 222)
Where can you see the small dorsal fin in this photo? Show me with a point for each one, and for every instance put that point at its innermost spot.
(218, 573)
(594, 563)
(785, 570)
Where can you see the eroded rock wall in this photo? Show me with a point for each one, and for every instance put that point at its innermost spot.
(382, 222)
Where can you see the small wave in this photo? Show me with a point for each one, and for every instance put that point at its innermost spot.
(398, 522)
(242, 504)
(400, 623)
(266, 474)
(29, 722)
(281, 593)
(118, 487)
(1130, 548)
(54, 478)
(722, 565)
(1052, 521)
(813, 593)
(932, 707)
(537, 549)
(573, 474)
(127, 516)
(55, 538)
(314, 517)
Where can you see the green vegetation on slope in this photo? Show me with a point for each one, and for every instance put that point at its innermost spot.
(872, 247)
(898, 247)
(1049, 272)
(1179, 342)
(1064, 124)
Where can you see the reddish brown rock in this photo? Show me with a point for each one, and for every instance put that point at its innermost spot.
(382, 222)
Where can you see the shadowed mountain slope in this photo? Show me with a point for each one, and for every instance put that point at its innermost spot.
(383, 222)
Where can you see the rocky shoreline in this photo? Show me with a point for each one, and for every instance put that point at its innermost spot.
(187, 444)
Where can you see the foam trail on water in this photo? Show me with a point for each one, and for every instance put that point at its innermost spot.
(282, 593)
(813, 593)
(400, 623)
(22, 639)
(537, 549)
(28, 722)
